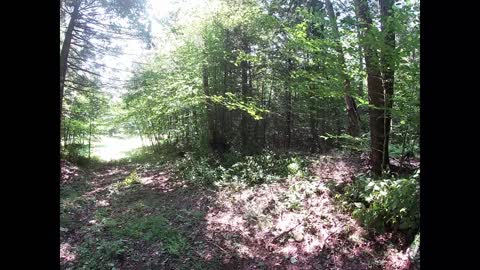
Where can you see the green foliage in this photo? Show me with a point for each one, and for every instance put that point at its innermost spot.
(151, 229)
(73, 152)
(298, 192)
(293, 168)
(198, 171)
(255, 170)
(262, 168)
(131, 179)
(231, 102)
(95, 253)
(359, 144)
(386, 203)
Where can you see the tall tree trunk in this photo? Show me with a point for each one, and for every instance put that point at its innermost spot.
(361, 56)
(90, 140)
(288, 117)
(313, 129)
(288, 109)
(66, 49)
(244, 122)
(265, 123)
(353, 123)
(388, 69)
(375, 89)
(65, 137)
(223, 111)
(210, 123)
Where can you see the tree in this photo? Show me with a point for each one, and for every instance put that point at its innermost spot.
(388, 70)
(92, 23)
(354, 126)
(279, 74)
(375, 88)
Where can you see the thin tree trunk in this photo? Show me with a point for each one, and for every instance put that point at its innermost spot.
(223, 111)
(361, 56)
(65, 137)
(244, 122)
(375, 89)
(90, 140)
(288, 108)
(209, 106)
(66, 50)
(313, 131)
(288, 114)
(265, 123)
(388, 70)
(353, 126)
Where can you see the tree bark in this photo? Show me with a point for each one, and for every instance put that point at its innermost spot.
(375, 89)
(313, 130)
(388, 70)
(244, 122)
(353, 126)
(361, 56)
(66, 50)
(90, 140)
(288, 114)
(209, 106)
(288, 109)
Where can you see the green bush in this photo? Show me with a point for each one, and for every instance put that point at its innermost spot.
(258, 169)
(78, 155)
(297, 193)
(198, 171)
(379, 204)
(131, 179)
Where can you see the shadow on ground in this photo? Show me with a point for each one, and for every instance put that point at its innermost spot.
(165, 223)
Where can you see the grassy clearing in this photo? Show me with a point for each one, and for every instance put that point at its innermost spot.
(114, 148)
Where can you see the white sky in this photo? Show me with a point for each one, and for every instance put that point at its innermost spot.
(133, 50)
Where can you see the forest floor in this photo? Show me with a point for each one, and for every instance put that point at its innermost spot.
(164, 223)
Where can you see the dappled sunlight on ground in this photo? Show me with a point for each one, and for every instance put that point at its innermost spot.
(291, 224)
(66, 253)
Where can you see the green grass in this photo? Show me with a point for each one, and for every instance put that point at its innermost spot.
(151, 229)
(74, 190)
(96, 253)
(71, 202)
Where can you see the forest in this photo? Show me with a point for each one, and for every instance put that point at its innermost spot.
(245, 134)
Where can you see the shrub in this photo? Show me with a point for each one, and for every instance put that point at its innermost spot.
(131, 179)
(385, 203)
(258, 169)
(197, 171)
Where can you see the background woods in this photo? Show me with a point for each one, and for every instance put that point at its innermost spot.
(238, 94)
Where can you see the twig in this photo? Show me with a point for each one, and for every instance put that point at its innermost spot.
(289, 230)
(336, 231)
(332, 232)
(285, 232)
(211, 241)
